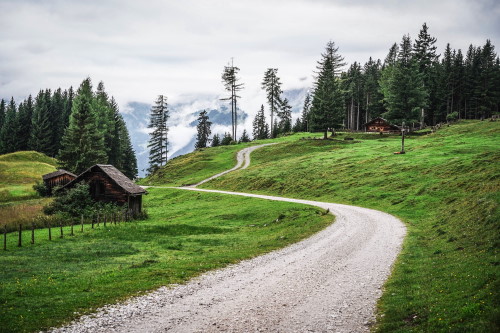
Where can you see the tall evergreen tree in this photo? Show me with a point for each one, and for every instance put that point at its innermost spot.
(204, 132)
(128, 158)
(82, 144)
(58, 125)
(326, 106)
(259, 125)
(403, 90)
(24, 120)
(2, 113)
(285, 115)
(304, 117)
(424, 53)
(272, 85)
(9, 129)
(158, 142)
(116, 130)
(40, 136)
(105, 117)
(230, 80)
(372, 95)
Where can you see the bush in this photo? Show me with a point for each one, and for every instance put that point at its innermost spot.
(73, 202)
(452, 116)
(41, 189)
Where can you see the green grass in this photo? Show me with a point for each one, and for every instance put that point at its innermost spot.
(446, 190)
(19, 171)
(50, 283)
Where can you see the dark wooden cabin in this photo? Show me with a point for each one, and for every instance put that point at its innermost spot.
(57, 178)
(381, 125)
(108, 184)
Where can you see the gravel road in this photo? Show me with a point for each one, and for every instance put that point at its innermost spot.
(329, 282)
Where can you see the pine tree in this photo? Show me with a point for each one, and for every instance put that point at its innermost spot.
(297, 127)
(403, 88)
(82, 144)
(24, 120)
(260, 127)
(216, 140)
(306, 113)
(9, 129)
(424, 53)
(115, 132)
(158, 142)
(105, 117)
(230, 81)
(227, 139)
(272, 85)
(285, 115)
(57, 113)
(2, 113)
(128, 159)
(372, 95)
(40, 136)
(204, 132)
(326, 106)
(244, 137)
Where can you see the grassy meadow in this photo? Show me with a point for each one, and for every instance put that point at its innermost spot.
(19, 171)
(446, 188)
(50, 283)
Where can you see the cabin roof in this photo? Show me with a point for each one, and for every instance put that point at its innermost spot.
(57, 173)
(116, 175)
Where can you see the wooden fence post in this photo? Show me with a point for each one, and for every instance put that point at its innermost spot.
(92, 220)
(5, 238)
(20, 240)
(98, 219)
(72, 224)
(50, 233)
(104, 220)
(82, 222)
(62, 235)
(33, 233)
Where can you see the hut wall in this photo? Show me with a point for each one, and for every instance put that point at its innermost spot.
(60, 180)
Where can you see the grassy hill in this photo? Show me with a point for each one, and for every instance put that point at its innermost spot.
(446, 189)
(19, 171)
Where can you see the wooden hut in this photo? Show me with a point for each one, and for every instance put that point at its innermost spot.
(57, 178)
(108, 184)
(381, 125)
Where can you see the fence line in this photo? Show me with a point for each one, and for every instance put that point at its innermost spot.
(95, 218)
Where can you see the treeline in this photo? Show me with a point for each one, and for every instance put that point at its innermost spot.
(413, 84)
(79, 128)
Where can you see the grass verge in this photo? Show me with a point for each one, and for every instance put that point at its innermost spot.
(447, 190)
(188, 233)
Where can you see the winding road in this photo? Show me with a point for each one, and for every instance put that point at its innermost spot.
(329, 282)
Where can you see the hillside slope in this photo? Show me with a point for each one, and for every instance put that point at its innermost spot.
(19, 171)
(446, 188)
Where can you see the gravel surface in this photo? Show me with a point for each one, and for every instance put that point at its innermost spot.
(329, 282)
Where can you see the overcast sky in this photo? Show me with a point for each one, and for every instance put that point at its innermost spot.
(141, 49)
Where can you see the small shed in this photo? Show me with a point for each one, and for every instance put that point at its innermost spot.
(57, 178)
(381, 125)
(108, 184)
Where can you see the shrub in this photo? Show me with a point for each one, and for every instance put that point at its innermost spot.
(73, 202)
(41, 189)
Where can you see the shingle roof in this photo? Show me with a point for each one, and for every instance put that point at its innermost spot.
(116, 175)
(57, 173)
(120, 179)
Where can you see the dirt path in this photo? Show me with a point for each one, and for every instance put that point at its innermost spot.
(329, 282)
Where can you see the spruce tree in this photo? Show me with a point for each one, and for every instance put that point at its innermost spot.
(114, 135)
(305, 113)
(2, 113)
(57, 113)
(9, 129)
(216, 140)
(204, 132)
(372, 95)
(24, 121)
(260, 127)
(105, 118)
(285, 115)
(227, 139)
(128, 158)
(244, 137)
(272, 86)
(158, 142)
(82, 144)
(41, 132)
(326, 106)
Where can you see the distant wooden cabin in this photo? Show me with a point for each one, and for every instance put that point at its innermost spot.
(57, 178)
(381, 125)
(108, 184)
